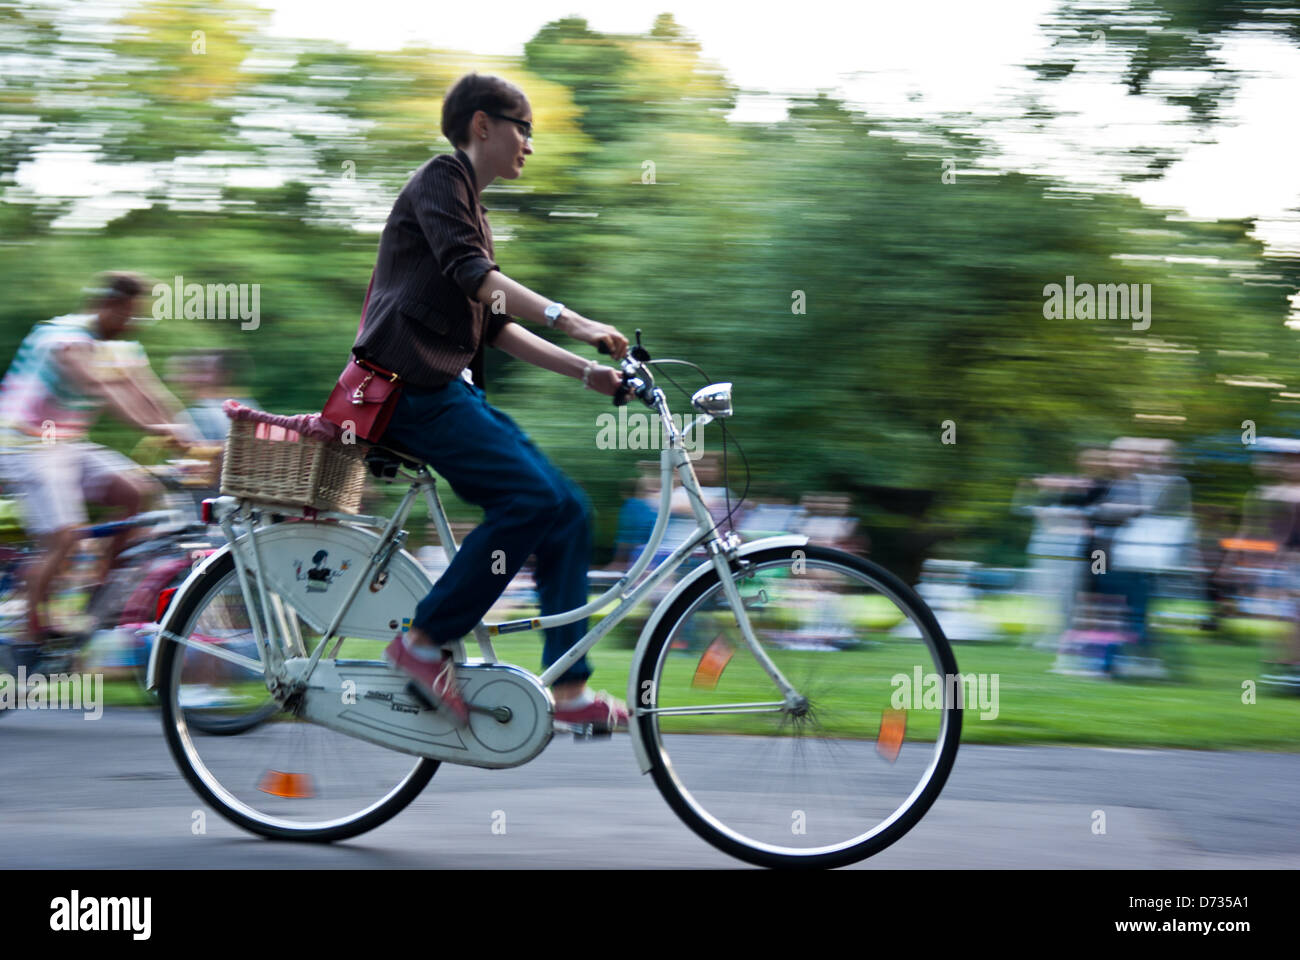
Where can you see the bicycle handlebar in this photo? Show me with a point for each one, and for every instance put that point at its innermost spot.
(637, 379)
(178, 474)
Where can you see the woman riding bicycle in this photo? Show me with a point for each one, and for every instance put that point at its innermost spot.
(426, 319)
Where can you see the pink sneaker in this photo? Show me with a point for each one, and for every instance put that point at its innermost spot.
(603, 711)
(436, 679)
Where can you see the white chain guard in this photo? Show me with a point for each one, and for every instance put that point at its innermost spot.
(369, 700)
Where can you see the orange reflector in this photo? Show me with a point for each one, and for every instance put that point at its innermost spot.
(293, 786)
(893, 724)
(1249, 546)
(712, 662)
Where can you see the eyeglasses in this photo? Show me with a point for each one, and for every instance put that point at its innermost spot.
(525, 125)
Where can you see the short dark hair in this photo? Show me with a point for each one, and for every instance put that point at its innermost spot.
(111, 287)
(471, 93)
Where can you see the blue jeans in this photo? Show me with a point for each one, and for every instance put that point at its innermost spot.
(529, 506)
(1135, 586)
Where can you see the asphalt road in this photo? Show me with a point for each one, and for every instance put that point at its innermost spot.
(106, 794)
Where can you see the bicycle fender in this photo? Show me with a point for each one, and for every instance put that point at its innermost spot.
(703, 570)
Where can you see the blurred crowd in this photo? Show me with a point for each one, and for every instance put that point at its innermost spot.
(1121, 536)
(1119, 554)
(826, 518)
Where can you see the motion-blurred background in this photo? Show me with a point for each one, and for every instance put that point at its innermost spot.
(855, 217)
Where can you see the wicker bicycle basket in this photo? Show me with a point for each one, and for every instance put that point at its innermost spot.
(273, 465)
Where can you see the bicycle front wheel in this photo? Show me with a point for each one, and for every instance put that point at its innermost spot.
(266, 770)
(834, 774)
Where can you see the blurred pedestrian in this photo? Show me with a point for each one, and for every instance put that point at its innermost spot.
(637, 516)
(1148, 513)
(1061, 546)
(1261, 564)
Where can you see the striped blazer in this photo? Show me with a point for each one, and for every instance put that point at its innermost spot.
(421, 320)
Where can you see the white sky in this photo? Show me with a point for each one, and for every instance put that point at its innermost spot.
(922, 58)
(958, 56)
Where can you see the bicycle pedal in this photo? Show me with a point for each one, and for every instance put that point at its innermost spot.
(587, 731)
(414, 690)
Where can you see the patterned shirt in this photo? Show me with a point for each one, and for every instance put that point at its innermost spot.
(38, 398)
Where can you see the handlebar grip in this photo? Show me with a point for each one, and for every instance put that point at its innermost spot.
(620, 395)
(623, 394)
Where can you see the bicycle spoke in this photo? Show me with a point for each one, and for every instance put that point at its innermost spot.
(776, 706)
(211, 647)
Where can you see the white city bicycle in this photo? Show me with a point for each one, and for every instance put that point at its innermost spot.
(768, 689)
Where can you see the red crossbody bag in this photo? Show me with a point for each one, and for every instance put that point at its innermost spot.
(366, 394)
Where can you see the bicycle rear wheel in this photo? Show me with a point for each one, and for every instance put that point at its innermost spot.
(821, 783)
(280, 777)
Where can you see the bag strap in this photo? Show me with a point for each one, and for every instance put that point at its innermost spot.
(366, 364)
(374, 368)
(362, 322)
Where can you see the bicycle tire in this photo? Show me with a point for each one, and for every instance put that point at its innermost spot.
(650, 669)
(176, 734)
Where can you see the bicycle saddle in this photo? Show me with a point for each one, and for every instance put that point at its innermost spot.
(384, 461)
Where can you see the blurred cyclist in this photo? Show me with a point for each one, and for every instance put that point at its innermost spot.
(65, 372)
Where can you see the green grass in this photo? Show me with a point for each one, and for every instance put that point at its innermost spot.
(1202, 710)
(1201, 707)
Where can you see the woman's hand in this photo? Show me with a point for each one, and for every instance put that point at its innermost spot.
(589, 331)
(177, 435)
(605, 380)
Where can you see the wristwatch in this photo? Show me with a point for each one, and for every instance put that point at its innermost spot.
(553, 313)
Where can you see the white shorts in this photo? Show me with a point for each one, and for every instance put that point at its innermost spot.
(55, 480)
